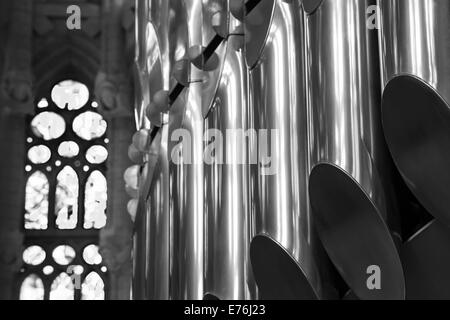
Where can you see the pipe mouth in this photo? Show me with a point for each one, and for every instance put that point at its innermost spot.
(354, 234)
(257, 27)
(210, 297)
(277, 273)
(310, 6)
(426, 261)
(416, 122)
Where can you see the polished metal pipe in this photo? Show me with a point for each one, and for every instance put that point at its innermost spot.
(345, 186)
(287, 259)
(414, 50)
(228, 273)
(157, 219)
(186, 176)
(142, 96)
(138, 280)
(216, 24)
(155, 58)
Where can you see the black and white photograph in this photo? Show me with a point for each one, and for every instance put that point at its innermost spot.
(222, 155)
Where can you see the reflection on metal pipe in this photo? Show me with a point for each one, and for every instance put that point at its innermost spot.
(345, 187)
(142, 98)
(215, 27)
(416, 81)
(286, 256)
(157, 257)
(154, 59)
(228, 271)
(138, 255)
(186, 176)
(186, 181)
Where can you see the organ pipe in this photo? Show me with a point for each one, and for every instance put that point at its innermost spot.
(300, 197)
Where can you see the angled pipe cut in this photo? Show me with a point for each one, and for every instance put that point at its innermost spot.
(347, 184)
(287, 259)
(416, 80)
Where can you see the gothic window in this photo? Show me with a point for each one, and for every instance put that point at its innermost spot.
(65, 198)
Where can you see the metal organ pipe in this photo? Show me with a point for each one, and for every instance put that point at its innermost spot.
(287, 258)
(155, 58)
(142, 97)
(228, 229)
(299, 82)
(345, 186)
(416, 81)
(186, 177)
(157, 188)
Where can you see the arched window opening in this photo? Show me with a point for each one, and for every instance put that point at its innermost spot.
(65, 197)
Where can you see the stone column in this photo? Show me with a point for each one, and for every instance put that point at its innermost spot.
(16, 100)
(116, 237)
(12, 198)
(113, 90)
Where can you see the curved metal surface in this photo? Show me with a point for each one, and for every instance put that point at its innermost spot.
(138, 280)
(256, 25)
(142, 93)
(285, 247)
(142, 226)
(187, 197)
(142, 99)
(212, 8)
(186, 177)
(311, 5)
(228, 273)
(426, 261)
(345, 185)
(157, 255)
(151, 46)
(416, 113)
(162, 31)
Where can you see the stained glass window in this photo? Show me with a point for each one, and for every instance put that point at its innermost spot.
(63, 288)
(36, 201)
(93, 287)
(66, 203)
(95, 201)
(32, 288)
(66, 197)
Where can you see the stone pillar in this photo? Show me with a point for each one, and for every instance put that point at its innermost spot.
(12, 198)
(113, 89)
(116, 237)
(16, 100)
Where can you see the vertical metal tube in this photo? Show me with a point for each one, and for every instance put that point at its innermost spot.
(414, 46)
(157, 264)
(154, 60)
(141, 99)
(345, 185)
(287, 259)
(228, 272)
(186, 176)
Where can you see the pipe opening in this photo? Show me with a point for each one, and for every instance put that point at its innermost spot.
(277, 274)
(416, 122)
(310, 6)
(210, 297)
(354, 234)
